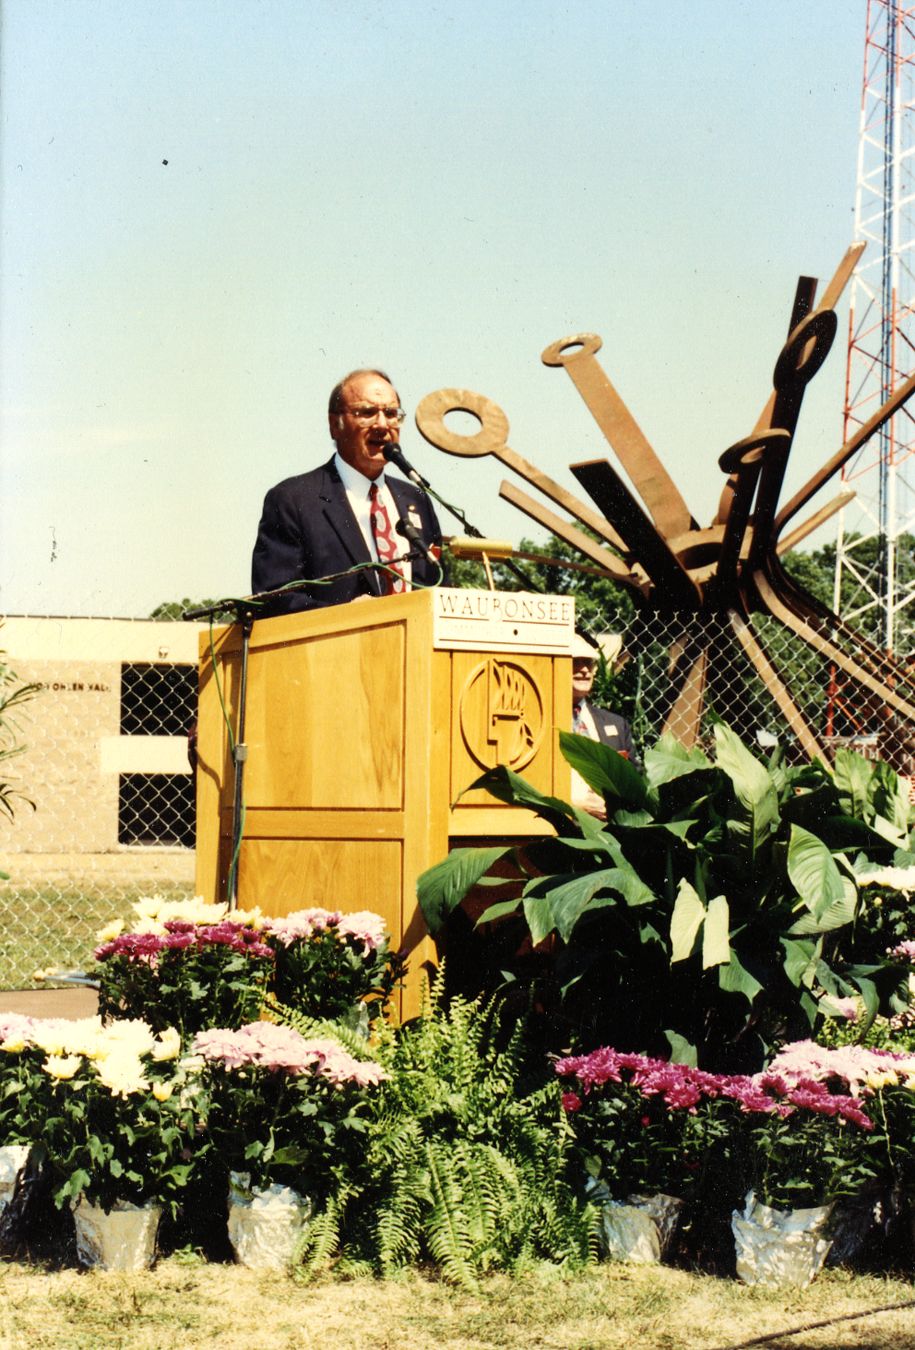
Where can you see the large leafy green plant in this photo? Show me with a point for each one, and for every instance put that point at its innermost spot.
(714, 907)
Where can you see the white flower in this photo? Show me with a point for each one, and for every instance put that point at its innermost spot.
(894, 878)
(56, 1036)
(122, 1074)
(168, 1045)
(110, 931)
(62, 1066)
(249, 918)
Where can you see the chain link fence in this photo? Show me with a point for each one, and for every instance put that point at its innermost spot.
(105, 757)
(104, 760)
(774, 686)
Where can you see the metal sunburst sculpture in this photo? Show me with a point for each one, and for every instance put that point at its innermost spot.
(730, 568)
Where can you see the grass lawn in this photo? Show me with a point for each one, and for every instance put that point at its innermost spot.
(183, 1304)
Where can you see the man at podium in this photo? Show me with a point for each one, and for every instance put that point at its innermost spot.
(348, 521)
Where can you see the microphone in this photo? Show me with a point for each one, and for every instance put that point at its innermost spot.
(394, 455)
(415, 540)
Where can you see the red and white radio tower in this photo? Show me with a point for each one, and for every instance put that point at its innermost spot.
(872, 588)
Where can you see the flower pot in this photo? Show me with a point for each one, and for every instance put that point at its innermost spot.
(124, 1239)
(265, 1223)
(779, 1247)
(13, 1158)
(637, 1230)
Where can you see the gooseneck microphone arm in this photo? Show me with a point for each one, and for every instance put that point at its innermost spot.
(394, 455)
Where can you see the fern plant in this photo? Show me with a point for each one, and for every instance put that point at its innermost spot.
(467, 1156)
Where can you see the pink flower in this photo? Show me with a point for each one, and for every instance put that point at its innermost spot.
(364, 928)
(266, 1045)
(302, 924)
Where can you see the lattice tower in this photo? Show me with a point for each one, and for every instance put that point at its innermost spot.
(875, 573)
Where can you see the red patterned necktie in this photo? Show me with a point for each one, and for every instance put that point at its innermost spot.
(385, 542)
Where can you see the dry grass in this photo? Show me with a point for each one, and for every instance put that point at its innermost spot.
(180, 1304)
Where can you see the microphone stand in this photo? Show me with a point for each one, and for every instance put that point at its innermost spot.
(245, 613)
(395, 455)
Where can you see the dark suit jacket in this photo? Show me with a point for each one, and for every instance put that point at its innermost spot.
(308, 530)
(614, 731)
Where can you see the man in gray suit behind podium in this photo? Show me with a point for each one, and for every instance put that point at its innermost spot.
(323, 522)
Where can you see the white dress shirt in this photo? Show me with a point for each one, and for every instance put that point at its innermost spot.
(357, 488)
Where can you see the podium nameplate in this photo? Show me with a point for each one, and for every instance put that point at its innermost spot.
(516, 621)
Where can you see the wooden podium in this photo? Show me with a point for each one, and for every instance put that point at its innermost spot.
(364, 723)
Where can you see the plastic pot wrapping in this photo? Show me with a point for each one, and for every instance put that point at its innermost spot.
(265, 1223)
(124, 1239)
(637, 1230)
(778, 1247)
(13, 1158)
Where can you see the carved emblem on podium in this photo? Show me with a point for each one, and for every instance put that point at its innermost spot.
(501, 713)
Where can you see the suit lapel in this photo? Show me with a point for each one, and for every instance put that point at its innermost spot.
(340, 518)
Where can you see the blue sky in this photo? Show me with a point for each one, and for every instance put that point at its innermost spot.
(440, 190)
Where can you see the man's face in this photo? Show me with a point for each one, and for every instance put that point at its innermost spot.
(360, 443)
(582, 676)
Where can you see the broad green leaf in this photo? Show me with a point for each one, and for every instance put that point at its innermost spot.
(809, 1007)
(605, 770)
(629, 885)
(813, 870)
(685, 922)
(669, 760)
(293, 1155)
(869, 994)
(854, 776)
(892, 797)
(559, 902)
(800, 960)
(835, 914)
(509, 787)
(681, 1051)
(499, 910)
(633, 820)
(540, 916)
(716, 946)
(887, 830)
(753, 786)
(735, 979)
(441, 888)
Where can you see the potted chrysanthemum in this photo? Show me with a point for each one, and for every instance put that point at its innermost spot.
(330, 965)
(285, 1116)
(809, 1139)
(184, 964)
(644, 1129)
(102, 1109)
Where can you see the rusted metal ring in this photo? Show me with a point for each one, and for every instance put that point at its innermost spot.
(751, 449)
(585, 344)
(794, 366)
(432, 411)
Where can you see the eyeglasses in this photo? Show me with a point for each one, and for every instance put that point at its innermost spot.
(366, 413)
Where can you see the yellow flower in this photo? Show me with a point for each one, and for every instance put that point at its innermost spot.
(110, 931)
(162, 1091)
(886, 1078)
(62, 1066)
(122, 1074)
(251, 918)
(168, 1045)
(14, 1045)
